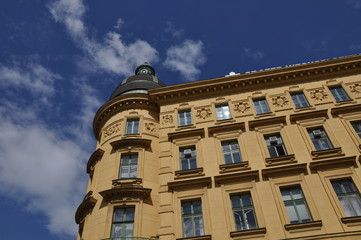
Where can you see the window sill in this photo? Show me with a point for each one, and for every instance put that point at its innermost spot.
(190, 126)
(224, 121)
(260, 115)
(204, 237)
(300, 109)
(314, 225)
(344, 102)
(248, 233)
(189, 173)
(272, 161)
(351, 220)
(333, 152)
(231, 167)
(127, 182)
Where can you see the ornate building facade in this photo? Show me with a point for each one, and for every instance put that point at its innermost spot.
(273, 154)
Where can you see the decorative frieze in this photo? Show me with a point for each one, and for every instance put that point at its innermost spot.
(242, 107)
(167, 119)
(150, 127)
(111, 130)
(280, 101)
(319, 94)
(356, 88)
(85, 207)
(203, 113)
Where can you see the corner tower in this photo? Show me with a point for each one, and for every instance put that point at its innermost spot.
(123, 171)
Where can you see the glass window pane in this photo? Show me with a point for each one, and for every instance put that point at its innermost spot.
(197, 207)
(251, 219)
(303, 211)
(198, 224)
(118, 215)
(291, 211)
(246, 200)
(117, 230)
(235, 199)
(187, 227)
(346, 206)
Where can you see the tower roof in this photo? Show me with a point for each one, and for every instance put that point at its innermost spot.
(143, 80)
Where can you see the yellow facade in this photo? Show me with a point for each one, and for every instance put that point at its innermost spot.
(293, 152)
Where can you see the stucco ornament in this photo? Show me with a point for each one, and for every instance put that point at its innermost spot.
(319, 94)
(356, 88)
(241, 107)
(167, 119)
(150, 127)
(203, 113)
(280, 101)
(109, 131)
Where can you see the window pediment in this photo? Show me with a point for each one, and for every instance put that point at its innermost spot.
(308, 115)
(204, 181)
(85, 207)
(131, 142)
(267, 121)
(189, 133)
(120, 193)
(94, 158)
(227, 128)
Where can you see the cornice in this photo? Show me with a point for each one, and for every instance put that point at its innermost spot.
(299, 168)
(254, 174)
(331, 163)
(308, 115)
(189, 133)
(204, 181)
(248, 81)
(94, 158)
(225, 128)
(131, 142)
(85, 207)
(118, 104)
(120, 193)
(267, 121)
(346, 109)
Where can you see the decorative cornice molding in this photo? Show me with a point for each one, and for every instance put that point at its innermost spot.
(118, 104)
(131, 142)
(254, 174)
(204, 181)
(301, 167)
(85, 207)
(346, 109)
(308, 115)
(120, 193)
(180, 134)
(94, 158)
(345, 161)
(248, 81)
(267, 121)
(225, 128)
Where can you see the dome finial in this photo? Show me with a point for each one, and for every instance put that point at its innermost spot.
(145, 68)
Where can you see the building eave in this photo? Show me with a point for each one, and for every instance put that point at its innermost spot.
(248, 81)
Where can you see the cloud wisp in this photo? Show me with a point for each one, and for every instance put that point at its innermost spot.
(42, 168)
(185, 58)
(112, 55)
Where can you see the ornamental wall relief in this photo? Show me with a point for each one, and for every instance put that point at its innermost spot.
(167, 119)
(150, 127)
(241, 107)
(111, 130)
(280, 101)
(203, 113)
(356, 88)
(319, 94)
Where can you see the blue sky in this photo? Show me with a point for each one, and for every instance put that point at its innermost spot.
(61, 59)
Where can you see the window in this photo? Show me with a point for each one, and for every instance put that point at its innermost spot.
(349, 197)
(188, 158)
(231, 152)
(223, 112)
(275, 145)
(243, 212)
(192, 218)
(296, 205)
(123, 223)
(300, 100)
(184, 118)
(129, 166)
(339, 94)
(357, 127)
(261, 106)
(319, 139)
(132, 126)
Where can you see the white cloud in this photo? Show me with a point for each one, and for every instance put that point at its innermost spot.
(119, 24)
(43, 166)
(253, 54)
(185, 58)
(32, 76)
(113, 55)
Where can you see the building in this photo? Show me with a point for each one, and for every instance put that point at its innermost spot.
(273, 154)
